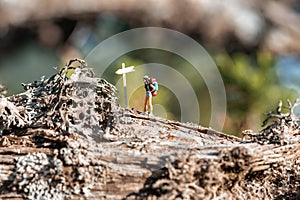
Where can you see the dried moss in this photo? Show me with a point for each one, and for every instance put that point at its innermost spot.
(79, 103)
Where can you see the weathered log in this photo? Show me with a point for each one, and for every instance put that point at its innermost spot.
(134, 156)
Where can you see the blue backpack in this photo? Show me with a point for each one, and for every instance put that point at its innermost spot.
(155, 84)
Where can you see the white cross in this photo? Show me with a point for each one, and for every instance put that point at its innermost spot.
(124, 71)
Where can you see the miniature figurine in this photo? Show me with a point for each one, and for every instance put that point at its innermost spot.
(149, 89)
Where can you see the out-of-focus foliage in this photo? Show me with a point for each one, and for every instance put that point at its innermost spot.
(252, 88)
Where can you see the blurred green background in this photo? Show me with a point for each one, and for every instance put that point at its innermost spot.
(255, 44)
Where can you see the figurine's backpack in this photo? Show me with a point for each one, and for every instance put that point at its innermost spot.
(155, 84)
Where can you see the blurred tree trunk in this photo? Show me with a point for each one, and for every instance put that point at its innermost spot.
(271, 24)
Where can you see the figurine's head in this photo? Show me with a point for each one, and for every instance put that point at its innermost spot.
(146, 79)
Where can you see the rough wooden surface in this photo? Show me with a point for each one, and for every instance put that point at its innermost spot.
(140, 157)
(127, 160)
